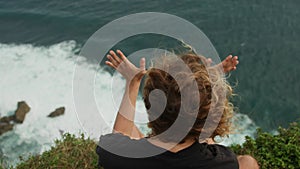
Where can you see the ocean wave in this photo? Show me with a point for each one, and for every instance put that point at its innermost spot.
(42, 76)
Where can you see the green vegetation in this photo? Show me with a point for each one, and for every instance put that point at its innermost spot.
(281, 151)
(1, 163)
(70, 152)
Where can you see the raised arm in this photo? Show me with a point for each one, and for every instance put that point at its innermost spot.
(228, 64)
(124, 122)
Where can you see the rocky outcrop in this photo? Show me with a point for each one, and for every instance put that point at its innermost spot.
(7, 122)
(7, 119)
(57, 112)
(21, 112)
(5, 127)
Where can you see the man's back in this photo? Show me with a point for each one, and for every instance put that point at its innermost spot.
(196, 156)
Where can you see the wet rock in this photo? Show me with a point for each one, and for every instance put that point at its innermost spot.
(7, 122)
(5, 127)
(57, 112)
(21, 112)
(7, 119)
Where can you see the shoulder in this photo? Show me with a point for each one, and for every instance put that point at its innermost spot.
(223, 155)
(224, 150)
(116, 141)
(121, 145)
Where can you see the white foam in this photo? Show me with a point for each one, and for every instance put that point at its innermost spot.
(42, 76)
(244, 126)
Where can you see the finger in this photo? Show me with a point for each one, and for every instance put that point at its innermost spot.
(115, 57)
(228, 57)
(122, 56)
(112, 60)
(110, 64)
(235, 60)
(143, 64)
(208, 61)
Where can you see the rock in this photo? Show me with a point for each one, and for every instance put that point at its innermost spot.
(21, 112)
(5, 127)
(61, 132)
(7, 119)
(6, 122)
(57, 112)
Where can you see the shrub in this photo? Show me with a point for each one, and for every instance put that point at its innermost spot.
(70, 152)
(279, 151)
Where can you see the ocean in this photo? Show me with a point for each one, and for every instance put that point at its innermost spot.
(40, 42)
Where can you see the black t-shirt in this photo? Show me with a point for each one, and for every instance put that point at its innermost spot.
(117, 151)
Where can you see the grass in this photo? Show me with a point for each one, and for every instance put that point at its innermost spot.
(70, 152)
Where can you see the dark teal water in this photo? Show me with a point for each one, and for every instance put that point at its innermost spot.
(265, 35)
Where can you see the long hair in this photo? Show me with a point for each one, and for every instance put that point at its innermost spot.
(210, 84)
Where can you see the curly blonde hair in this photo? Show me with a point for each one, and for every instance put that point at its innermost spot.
(212, 86)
